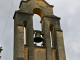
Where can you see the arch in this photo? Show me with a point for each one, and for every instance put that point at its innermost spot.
(38, 11)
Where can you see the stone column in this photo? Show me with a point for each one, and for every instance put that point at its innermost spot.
(46, 31)
(60, 45)
(54, 54)
(30, 40)
(18, 42)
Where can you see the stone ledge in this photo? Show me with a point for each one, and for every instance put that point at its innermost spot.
(29, 0)
(22, 12)
(52, 16)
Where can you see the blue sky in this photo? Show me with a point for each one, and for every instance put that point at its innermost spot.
(68, 10)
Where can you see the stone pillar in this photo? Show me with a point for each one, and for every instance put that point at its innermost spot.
(19, 19)
(46, 31)
(60, 45)
(30, 40)
(18, 42)
(54, 54)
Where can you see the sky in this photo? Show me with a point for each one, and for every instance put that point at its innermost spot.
(68, 10)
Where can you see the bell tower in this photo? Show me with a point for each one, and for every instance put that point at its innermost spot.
(52, 47)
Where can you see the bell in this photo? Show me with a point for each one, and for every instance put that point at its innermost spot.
(38, 37)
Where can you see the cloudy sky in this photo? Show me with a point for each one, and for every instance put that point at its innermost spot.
(68, 10)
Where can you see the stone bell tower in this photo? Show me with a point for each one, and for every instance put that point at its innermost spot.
(51, 48)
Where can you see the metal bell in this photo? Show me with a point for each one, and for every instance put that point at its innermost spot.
(38, 37)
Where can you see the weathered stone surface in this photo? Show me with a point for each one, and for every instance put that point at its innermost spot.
(39, 53)
(60, 45)
(20, 58)
(46, 31)
(18, 42)
(49, 22)
(29, 6)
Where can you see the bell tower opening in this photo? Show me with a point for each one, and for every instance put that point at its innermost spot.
(25, 33)
(37, 28)
(38, 13)
(37, 37)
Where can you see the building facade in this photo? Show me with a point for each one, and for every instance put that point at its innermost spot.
(52, 48)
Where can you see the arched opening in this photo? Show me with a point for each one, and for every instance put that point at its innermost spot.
(38, 14)
(36, 26)
(52, 35)
(25, 33)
